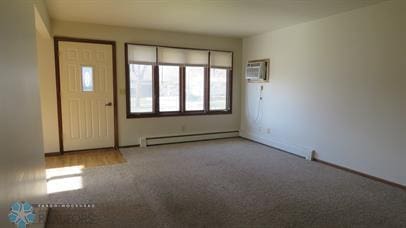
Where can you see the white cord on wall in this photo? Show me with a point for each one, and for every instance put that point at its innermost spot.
(259, 114)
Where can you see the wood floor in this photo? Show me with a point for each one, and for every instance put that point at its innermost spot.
(90, 158)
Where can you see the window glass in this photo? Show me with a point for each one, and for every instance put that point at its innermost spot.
(141, 88)
(194, 88)
(87, 79)
(170, 81)
(218, 89)
(168, 88)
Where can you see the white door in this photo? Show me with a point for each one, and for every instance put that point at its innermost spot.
(86, 86)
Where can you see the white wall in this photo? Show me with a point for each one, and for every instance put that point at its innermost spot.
(42, 12)
(22, 172)
(131, 129)
(338, 86)
(46, 72)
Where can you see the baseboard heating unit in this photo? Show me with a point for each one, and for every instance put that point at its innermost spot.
(168, 139)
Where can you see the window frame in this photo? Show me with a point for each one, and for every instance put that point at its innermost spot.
(182, 79)
(205, 79)
(229, 84)
(128, 90)
(180, 89)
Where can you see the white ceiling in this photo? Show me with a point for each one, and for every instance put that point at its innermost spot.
(237, 18)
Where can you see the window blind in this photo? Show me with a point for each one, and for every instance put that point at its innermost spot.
(179, 56)
(168, 55)
(141, 53)
(221, 59)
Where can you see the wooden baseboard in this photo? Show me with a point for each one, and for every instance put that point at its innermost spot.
(337, 166)
(50, 154)
(77, 151)
(92, 149)
(275, 148)
(129, 146)
(362, 174)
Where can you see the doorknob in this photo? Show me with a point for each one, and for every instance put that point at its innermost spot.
(109, 104)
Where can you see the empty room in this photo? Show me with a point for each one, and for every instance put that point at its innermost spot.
(203, 113)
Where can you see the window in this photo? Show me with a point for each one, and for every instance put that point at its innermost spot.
(168, 81)
(141, 88)
(87, 79)
(169, 84)
(221, 65)
(194, 91)
(218, 89)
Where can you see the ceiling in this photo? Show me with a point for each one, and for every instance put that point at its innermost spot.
(237, 18)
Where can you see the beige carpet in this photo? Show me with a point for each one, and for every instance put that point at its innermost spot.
(226, 183)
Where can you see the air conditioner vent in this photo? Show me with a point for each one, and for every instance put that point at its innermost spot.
(257, 70)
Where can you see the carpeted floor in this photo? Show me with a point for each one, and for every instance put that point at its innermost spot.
(226, 183)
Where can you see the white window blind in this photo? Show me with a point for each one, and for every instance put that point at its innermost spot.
(197, 57)
(221, 59)
(141, 53)
(168, 55)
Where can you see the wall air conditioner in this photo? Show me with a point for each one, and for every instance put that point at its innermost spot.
(257, 70)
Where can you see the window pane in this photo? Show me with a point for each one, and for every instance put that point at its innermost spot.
(87, 79)
(141, 88)
(168, 88)
(218, 89)
(194, 88)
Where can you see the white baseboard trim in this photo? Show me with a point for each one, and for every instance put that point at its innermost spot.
(278, 144)
(190, 137)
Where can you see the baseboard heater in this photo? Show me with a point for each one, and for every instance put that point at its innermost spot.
(168, 139)
(300, 151)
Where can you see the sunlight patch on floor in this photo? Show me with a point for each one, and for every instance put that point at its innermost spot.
(64, 179)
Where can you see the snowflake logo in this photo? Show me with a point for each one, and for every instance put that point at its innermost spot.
(21, 214)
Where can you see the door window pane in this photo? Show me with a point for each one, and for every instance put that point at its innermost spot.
(168, 88)
(87, 79)
(218, 89)
(141, 88)
(194, 88)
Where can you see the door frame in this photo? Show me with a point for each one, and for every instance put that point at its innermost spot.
(58, 39)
